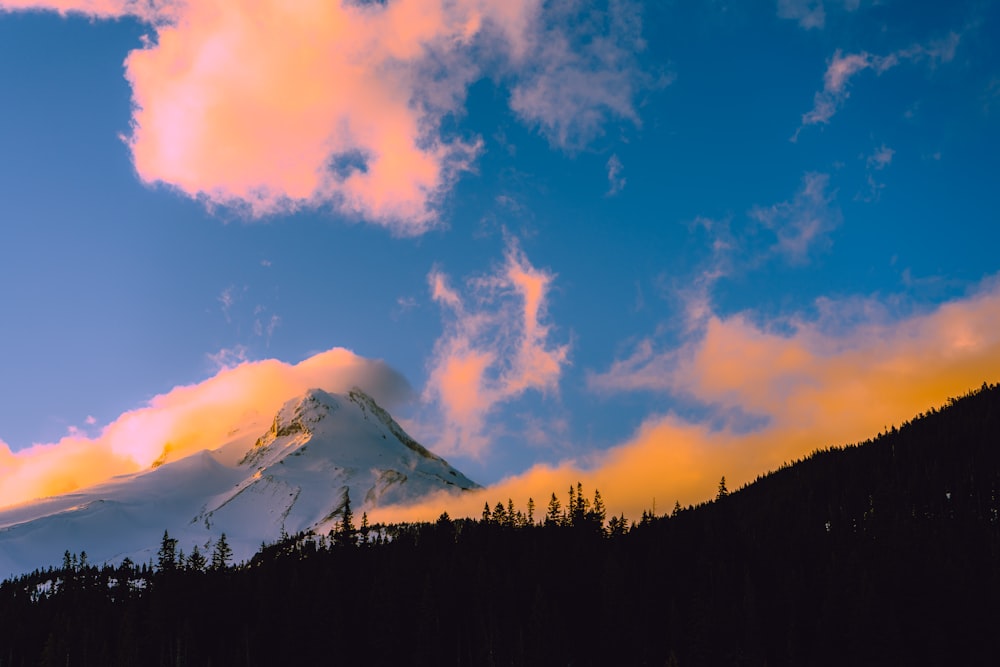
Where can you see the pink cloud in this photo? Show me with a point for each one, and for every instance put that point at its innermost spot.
(187, 419)
(496, 346)
(270, 107)
(842, 68)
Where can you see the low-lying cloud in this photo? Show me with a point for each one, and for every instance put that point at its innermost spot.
(832, 381)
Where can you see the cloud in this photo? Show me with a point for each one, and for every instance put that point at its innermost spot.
(582, 70)
(809, 13)
(802, 223)
(836, 380)
(495, 347)
(271, 107)
(842, 68)
(877, 161)
(187, 419)
(229, 357)
(616, 182)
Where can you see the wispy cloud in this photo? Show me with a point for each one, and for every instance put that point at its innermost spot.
(579, 70)
(616, 181)
(877, 161)
(811, 13)
(495, 347)
(188, 419)
(843, 67)
(272, 107)
(803, 222)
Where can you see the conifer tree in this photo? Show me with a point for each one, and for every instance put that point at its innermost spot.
(598, 513)
(196, 561)
(531, 511)
(222, 553)
(553, 515)
(346, 532)
(166, 557)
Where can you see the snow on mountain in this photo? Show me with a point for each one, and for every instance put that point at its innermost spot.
(294, 476)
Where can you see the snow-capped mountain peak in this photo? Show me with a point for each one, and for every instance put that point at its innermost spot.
(319, 450)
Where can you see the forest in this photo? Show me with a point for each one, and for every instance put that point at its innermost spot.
(886, 552)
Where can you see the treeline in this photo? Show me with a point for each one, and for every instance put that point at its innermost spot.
(883, 553)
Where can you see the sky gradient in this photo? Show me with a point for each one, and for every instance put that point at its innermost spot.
(639, 244)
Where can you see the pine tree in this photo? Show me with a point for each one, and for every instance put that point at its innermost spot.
(196, 561)
(598, 513)
(553, 516)
(346, 532)
(531, 511)
(222, 553)
(166, 557)
(723, 491)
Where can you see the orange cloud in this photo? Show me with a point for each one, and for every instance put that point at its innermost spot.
(824, 384)
(188, 419)
(273, 106)
(491, 353)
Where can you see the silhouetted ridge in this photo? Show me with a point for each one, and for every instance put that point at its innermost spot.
(881, 553)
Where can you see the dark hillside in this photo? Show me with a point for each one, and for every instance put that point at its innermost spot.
(883, 553)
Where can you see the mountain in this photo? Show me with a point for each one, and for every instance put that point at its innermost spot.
(296, 475)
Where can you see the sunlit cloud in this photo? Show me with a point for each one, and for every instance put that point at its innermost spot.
(844, 67)
(188, 419)
(495, 347)
(270, 107)
(831, 381)
(836, 379)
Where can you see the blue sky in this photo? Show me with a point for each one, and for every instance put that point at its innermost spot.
(816, 173)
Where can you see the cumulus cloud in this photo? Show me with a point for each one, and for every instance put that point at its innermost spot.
(842, 68)
(187, 419)
(835, 380)
(495, 347)
(271, 106)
